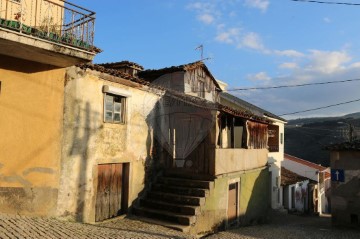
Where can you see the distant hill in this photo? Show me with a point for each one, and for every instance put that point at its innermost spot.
(305, 138)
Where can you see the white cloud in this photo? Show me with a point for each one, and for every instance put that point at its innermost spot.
(289, 65)
(252, 40)
(206, 18)
(261, 76)
(327, 61)
(289, 53)
(229, 36)
(259, 4)
(207, 12)
(316, 66)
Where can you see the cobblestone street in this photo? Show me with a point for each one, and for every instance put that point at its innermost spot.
(285, 225)
(281, 226)
(31, 227)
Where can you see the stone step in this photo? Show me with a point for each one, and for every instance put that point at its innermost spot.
(176, 173)
(171, 207)
(176, 198)
(186, 182)
(175, 226)
(181, 190)
(165, 215)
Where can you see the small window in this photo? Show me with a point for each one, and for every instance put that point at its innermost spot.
(114, 109)
(201, 92)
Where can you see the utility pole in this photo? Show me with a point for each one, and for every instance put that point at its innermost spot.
(350, 130)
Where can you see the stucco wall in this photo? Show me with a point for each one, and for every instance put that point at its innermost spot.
(31, 107)
(253, 197)
(275, 160)
(234, 160)
(301, 169)
(88, 141)
(345, 196)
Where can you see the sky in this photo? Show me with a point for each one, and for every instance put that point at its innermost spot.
(248, 43)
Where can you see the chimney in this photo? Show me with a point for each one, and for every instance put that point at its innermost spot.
(127, 67)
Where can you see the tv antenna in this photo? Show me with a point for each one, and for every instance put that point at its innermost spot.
(201, 49)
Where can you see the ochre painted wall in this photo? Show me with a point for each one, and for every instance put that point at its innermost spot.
(31, 109)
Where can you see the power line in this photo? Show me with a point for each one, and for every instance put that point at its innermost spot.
(326, 2)
(323, 107)
(291, 86)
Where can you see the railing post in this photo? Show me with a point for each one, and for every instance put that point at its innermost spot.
(20, 15)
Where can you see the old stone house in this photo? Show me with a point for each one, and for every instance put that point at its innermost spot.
(34, 54)
(275, 143)
(345, 183)
(91, 142)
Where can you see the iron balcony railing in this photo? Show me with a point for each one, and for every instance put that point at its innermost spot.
(55, 20)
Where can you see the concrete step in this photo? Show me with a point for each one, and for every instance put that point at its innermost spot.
(171, 207)
(181, 190)
(176, 198)
(165, 215)
(190, 183)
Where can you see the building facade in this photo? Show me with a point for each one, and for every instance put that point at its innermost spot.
(345, 183)
(32, 70)
(306, 186)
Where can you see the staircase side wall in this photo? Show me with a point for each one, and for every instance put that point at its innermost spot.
(253, 201)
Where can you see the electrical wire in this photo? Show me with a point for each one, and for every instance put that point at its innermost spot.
(319, 108)
(326, 2)
(291, 86)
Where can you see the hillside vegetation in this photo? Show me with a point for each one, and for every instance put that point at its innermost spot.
(306, 138)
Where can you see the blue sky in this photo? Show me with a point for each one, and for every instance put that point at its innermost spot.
(250, 43)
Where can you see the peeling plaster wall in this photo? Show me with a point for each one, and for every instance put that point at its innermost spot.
(31, 106)
(88, 141)
(345, 196)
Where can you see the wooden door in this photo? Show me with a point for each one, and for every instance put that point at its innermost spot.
(232, 203)
(110, 191)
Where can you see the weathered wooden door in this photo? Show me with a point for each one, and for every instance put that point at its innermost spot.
(232, 203)
(110, 191)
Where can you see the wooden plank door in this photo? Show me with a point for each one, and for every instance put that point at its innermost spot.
(232, 203)
(115, 189)
(109, 191)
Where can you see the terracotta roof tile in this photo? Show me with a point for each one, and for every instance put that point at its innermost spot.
(288, 177)
(184, 97)
(304, 162)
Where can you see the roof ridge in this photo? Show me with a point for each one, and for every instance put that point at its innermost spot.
(305, 162)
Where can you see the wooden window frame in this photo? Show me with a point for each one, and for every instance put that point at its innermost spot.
(117, 99)
(201, 89)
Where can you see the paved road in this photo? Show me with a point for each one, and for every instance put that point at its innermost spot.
(281, 226)
(290, 226)
(20, 227)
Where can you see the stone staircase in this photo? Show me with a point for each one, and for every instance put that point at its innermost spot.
(174, 202)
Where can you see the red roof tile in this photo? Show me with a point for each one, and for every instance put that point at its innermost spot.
(304, 162)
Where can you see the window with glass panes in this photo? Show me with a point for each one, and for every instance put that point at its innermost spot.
(114, 109)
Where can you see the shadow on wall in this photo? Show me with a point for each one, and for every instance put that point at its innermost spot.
(259, 200)
(83, 128)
